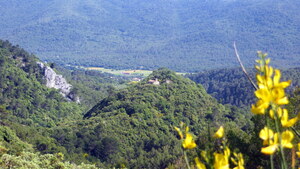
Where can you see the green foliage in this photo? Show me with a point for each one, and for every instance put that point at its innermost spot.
(231, 86)
(25, 95)
(27, 160)
(92, 86)
(15, 153)
(27, 107)
(184, 36)
(135, 126)
(131, 127)
(294, 108)
(11, 141)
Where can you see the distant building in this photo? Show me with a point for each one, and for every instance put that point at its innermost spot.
(136, 79)
(169, 81)
(154, 82)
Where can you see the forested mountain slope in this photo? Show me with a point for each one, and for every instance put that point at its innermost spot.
(182, 35)
(135, 126)
(132, 127)
(28, 110)
(231, 86)
(24, 92)
(91, 85)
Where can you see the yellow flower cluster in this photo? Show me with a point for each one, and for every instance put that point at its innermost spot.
(276, 135)
(219, 133)
(270, 90)
(270, 139)
(271, 98)
(188, 142)
(238, 161)
(221, 159)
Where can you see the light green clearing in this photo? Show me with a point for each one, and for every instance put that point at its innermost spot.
(143, 73)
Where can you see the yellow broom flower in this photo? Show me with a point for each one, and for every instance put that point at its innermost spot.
(286, 139)
(204, 155)
(285, 122)
(270, 90)
(298, 152)
(199, 164)
(240, 163)
(222, 159)
(179, 132)
(277, 82)
(270, 139)
(188, 142)
(219, 133)
(270, 149)
(266, 135)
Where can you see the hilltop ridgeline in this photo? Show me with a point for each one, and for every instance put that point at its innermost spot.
(135, 125)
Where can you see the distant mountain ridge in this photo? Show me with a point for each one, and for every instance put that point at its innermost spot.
(182, 35)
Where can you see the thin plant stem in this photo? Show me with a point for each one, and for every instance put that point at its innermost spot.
(280, 141)
(295, 131)
(186, 160)
(282, 156)
(242, 66)
(271, 156)
(293, 158)
(272, 162)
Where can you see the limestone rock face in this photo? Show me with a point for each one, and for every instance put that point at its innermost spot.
(54, 80)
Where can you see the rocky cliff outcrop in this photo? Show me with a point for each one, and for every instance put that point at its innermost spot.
(54, 80)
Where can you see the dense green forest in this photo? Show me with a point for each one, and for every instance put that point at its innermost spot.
(118, 131)
(118, 124)
(185, 36)
(231, 86)
(135, 126)
(92, 86)
(23, 92)
(28, 110)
